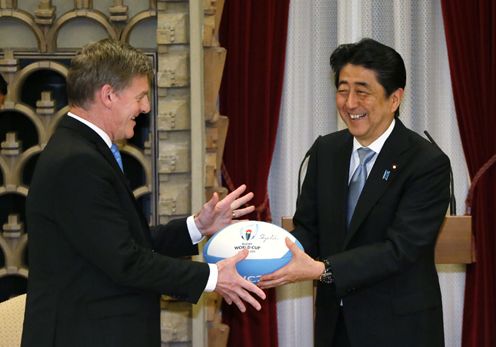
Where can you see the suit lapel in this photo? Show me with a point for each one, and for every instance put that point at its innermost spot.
(100, 145)
(105, 151)
(338, 164)
(387, 166)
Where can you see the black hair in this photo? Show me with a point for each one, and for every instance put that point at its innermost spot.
(387, 64)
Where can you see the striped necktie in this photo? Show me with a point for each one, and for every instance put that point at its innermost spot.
(358, 180)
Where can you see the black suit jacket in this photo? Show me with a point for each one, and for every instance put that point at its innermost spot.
(96, 271)
(384, 262)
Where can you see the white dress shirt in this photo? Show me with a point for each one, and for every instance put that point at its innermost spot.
(375, 146)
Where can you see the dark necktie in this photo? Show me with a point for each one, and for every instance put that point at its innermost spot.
(117, 155)
(358, 180)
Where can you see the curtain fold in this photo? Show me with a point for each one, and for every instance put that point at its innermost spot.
(470, 30)
(254, 34)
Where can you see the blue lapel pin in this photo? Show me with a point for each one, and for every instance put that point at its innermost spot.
(386, 174)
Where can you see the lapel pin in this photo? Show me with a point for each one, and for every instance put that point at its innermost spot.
(395, 166)
(385, 176)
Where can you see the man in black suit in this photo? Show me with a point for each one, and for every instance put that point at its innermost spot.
(96, 269)
(374, 247)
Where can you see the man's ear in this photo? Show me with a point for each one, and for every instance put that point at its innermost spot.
(396, 98)
(106, 95)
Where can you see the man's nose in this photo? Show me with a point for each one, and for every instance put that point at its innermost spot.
(351, 100)
(145, 104)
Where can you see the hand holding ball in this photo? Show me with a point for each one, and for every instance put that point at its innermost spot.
(264, 241)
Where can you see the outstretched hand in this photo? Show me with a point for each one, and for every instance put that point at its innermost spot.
(216, 214)
(301, 268)
(234, 288)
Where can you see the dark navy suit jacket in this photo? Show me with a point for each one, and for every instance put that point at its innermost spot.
(96, 271)
(383, 262)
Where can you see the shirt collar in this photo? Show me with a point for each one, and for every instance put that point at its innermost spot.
(99, 131)
(376, 146)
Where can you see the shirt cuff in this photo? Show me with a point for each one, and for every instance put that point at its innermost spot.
(196, 237)
(194, 232)
(212, 278)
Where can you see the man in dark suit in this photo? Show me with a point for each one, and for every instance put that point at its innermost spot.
(96, 270)
(374, 246)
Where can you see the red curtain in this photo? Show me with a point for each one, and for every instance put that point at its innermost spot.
(254, 34)
(471, 40)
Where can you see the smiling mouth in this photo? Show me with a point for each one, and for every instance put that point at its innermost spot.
(358, 116)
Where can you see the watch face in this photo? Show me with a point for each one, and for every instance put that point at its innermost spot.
(327, 278)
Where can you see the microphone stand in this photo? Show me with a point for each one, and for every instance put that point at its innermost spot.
(452, 184)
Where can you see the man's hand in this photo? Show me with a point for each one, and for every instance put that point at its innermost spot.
(301, 268)
(216, 214)
(235, 288)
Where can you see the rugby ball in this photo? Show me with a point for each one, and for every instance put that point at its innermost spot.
(264, 241)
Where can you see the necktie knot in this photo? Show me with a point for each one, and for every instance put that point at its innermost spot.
(365, 154)
(117, 155)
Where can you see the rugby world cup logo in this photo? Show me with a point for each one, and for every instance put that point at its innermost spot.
(249, 232)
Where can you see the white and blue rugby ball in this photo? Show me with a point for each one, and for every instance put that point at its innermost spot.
(264, 241)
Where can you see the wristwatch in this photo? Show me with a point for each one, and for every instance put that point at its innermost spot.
(327, 276)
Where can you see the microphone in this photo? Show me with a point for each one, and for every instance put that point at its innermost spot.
(452, 184)
(299, 171)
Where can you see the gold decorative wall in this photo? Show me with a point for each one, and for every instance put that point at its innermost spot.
(174, 129)
(37, 40)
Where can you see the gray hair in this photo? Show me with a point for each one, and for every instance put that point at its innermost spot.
(104, 62)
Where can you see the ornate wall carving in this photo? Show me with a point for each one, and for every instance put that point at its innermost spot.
(160, 153)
